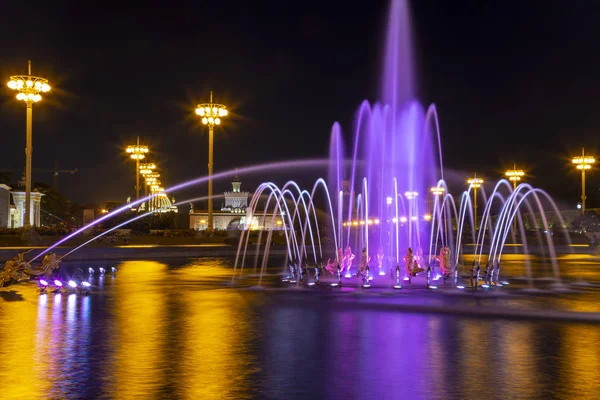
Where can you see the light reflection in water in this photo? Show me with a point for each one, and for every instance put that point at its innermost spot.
(18, 361)
(157, 332)
(216, 337)
(136, 340)
(515, 351)
(579, 360)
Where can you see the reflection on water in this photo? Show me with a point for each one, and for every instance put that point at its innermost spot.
(176, 331)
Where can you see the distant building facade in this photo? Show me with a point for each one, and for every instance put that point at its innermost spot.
(17, 219)
(233, 216)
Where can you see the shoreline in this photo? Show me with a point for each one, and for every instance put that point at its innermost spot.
(128, 252)
(141, 251)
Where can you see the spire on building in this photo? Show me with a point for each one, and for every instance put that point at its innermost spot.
(236, 183)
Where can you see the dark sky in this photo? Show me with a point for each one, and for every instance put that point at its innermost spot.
(512, 80)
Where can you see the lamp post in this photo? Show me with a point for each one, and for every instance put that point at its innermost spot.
(151, 179)
(475, 183)
(29, 88)
(583, 163)
(137, 152)
(211, 114)
(155, 189)
(145, 170)
(515, 175)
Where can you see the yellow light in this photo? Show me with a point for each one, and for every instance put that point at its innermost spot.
(222, 112)
(394, 220)
(437, 190)
(388, 200)
(211, 120)
(355, 223)
(217, 121)
(403, 219)
(207, 110)
(376, 222)
(29, 83)
(20, 83)
(205, 120)
(12, 84)
(202, 221)
(279, 222)
(215, 110)
(45, 87)
(475, 182)
(200, 111)
(362, 222)
(427, 217)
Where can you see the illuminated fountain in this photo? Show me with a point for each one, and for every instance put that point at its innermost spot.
(385, 193)
(388, 193)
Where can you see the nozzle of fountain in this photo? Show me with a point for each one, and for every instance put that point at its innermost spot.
(397, 285)
(113, 270)
(91, 271)
(102, 271)
(43, 285)
(366, 283)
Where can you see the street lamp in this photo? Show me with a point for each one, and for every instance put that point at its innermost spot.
(137, 152)
(145, 170)
(475, 183)
(583, 163)
(515, 175)
(155, 189)
(29, 88)
(211, 114)
(437, 191)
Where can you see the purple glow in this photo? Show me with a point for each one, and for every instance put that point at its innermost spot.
(72, 284)
(43, 282)
(57, 283)
(251, 169)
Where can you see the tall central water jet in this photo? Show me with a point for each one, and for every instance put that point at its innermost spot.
(393, 148)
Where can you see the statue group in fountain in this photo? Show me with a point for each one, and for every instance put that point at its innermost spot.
(18, 268)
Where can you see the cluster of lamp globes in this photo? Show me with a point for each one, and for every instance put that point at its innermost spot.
(29, 90)
(137, 152)
(211, 113)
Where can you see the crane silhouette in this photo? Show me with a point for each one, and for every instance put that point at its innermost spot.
(55, 172)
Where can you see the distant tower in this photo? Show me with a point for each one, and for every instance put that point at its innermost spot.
(236, 184)
(236, 201)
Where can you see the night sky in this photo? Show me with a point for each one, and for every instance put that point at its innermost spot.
(514, 81)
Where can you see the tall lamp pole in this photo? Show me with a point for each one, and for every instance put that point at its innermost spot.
(475, 183)
(211, 114)
(515, 175)
(29, 88)
(145, 170)
(583, 163)
(137, 152)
